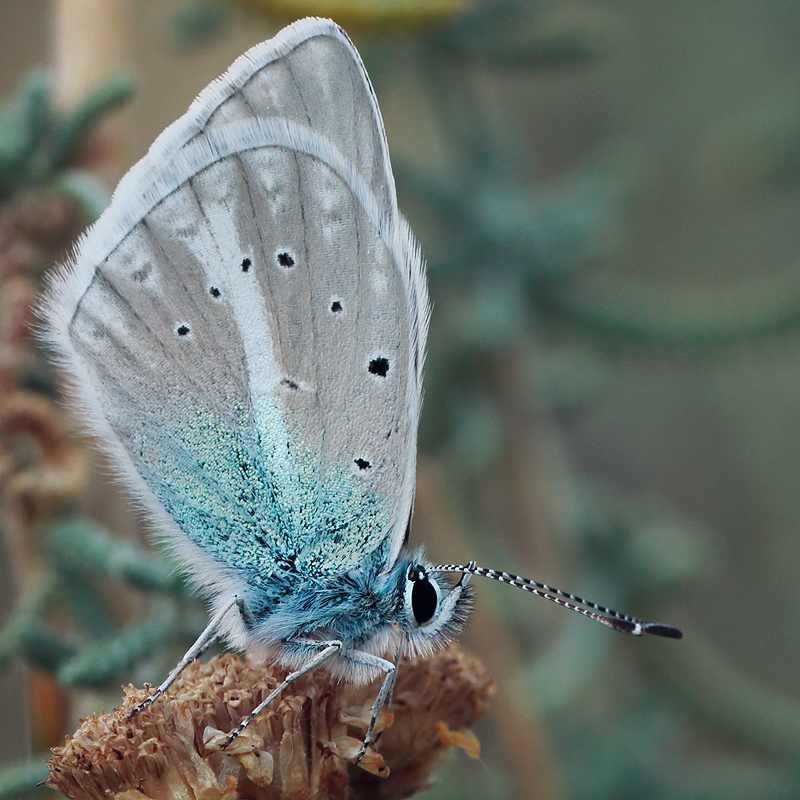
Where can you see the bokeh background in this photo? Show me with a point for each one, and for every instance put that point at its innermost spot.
(608, 196)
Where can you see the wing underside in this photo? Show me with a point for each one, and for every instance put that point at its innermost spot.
(245, 326)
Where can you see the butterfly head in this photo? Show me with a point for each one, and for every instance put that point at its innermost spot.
(433, 612)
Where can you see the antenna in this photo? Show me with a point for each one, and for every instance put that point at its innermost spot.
(605, 616)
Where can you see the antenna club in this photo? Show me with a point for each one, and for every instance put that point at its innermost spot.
(667, 631)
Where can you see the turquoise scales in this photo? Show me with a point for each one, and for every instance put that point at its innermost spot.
(245, 329)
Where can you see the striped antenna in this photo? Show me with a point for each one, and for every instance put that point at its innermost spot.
(605, 616)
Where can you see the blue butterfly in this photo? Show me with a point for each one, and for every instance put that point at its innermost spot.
(245, 329)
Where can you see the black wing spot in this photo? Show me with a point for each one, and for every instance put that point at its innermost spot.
(214, 292)
(246, 264)
(336, 306)
(362, 463)
(290, 384)
(285, 260)
(182, 330)
(379, 366)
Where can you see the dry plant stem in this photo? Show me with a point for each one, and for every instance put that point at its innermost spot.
(42, 470)
(303, 746)
(532, 477)
(90, 43)
(525, 745)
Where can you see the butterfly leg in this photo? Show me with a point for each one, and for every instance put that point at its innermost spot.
(329, 649)
(204, 641)
(383, 695)
(207, 646)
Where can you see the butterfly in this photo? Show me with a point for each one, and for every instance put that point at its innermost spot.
(244, 328)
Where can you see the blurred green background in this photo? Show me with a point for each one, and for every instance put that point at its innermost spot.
(608, 197)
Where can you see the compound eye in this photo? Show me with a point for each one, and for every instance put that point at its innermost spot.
(423, 600)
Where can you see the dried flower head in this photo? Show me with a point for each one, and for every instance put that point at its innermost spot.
(298, 748)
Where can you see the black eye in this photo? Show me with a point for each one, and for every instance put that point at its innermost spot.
(423, 600)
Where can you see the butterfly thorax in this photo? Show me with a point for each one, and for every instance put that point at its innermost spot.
(403, 611)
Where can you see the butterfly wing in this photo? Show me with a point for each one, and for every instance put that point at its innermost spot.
(309, 73)
(245, 324)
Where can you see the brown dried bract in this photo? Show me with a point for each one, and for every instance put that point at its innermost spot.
(299, 748)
